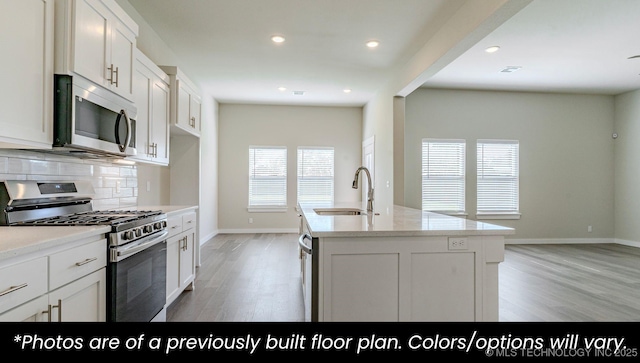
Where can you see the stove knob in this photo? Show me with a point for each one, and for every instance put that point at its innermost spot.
(157, 225)
(127, 235)
(124, 236)
(148, 229)
(164, 224)
(138, 232)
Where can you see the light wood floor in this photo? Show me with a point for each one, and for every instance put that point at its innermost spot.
(255, 278)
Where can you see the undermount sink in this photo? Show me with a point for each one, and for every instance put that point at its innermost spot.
(339, 211)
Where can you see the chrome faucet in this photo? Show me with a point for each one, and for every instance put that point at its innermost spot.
(369, 192)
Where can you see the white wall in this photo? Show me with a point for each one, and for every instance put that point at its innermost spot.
(292, 126)
(566, 154)
(627, 168)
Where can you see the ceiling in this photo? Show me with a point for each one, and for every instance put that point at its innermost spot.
(561, 45)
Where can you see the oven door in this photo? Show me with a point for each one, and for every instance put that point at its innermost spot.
(137, 279)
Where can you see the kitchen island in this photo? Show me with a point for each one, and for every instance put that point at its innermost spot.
(401, 265)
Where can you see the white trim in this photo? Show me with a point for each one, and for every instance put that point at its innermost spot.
(267, 209)
(258, 230)
(205, 239)
(627, 243)
(517, 241)
(481, 215)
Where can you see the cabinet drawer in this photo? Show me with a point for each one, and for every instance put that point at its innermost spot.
(174, 225)
(74, 263)
(22, 282)
(188, 221)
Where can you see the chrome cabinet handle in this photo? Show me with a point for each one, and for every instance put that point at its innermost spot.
(49, 312)
(13, 288)
(110, 69)
(111, 72)
(117, 73)
(59, 306)
(86, 261)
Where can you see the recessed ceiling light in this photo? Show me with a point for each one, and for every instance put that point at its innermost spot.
(277, 38)
(347, 90)
(373, 43)
(492, 49)
(281, 88)
(298, 93)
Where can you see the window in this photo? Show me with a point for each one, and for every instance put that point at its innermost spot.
(498, 179)
(267, 179)
(315, 175)
(443, 175)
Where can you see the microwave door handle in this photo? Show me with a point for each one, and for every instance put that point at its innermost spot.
(128, 137)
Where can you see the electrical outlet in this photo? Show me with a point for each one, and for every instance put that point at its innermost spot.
(589, 229)
(250, 220)
(458, 243)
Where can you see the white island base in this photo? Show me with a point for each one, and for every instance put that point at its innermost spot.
(409, 279)
(406, 266)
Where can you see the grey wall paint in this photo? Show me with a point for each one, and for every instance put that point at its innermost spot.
(566, 154)
(292, 126)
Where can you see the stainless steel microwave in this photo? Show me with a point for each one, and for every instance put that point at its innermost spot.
(92, 121)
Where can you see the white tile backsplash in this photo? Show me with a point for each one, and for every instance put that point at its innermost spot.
(104, 175)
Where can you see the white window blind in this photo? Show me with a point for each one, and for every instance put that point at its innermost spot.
(267, 178)
(498, 176)
(443, 175)
(315, 175)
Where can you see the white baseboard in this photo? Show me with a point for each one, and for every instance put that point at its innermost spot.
(206, 238)
(627, 243)
(516, 241)
(258, 230)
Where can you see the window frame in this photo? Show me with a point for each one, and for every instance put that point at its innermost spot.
(460, 178)
(332, 177)
(509, 213)
(276, 207)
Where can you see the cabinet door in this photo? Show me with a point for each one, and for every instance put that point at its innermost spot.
(194, 112)
(173, 267)
(142, 80)
(26, 35)
(91, 48)
(83, 300)
(123, 45)
(187, 259)
(32, 311)
(160, 99)
(184, 101)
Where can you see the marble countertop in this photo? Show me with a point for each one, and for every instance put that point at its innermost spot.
(22, 240)
(399, 221)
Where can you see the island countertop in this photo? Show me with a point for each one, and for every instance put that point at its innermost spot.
(397, 222)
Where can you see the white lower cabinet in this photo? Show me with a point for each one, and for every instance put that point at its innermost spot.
(181, 254)
(65, 285)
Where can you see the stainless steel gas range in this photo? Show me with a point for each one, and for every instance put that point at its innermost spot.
(136, 244)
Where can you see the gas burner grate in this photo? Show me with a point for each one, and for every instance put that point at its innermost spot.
(92, 218)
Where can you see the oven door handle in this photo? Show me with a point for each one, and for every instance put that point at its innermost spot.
(307, 249)
(125, 251)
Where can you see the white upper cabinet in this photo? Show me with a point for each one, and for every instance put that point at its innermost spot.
(185, 103)
(26, 100)
(152, 97)
(96, 39)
